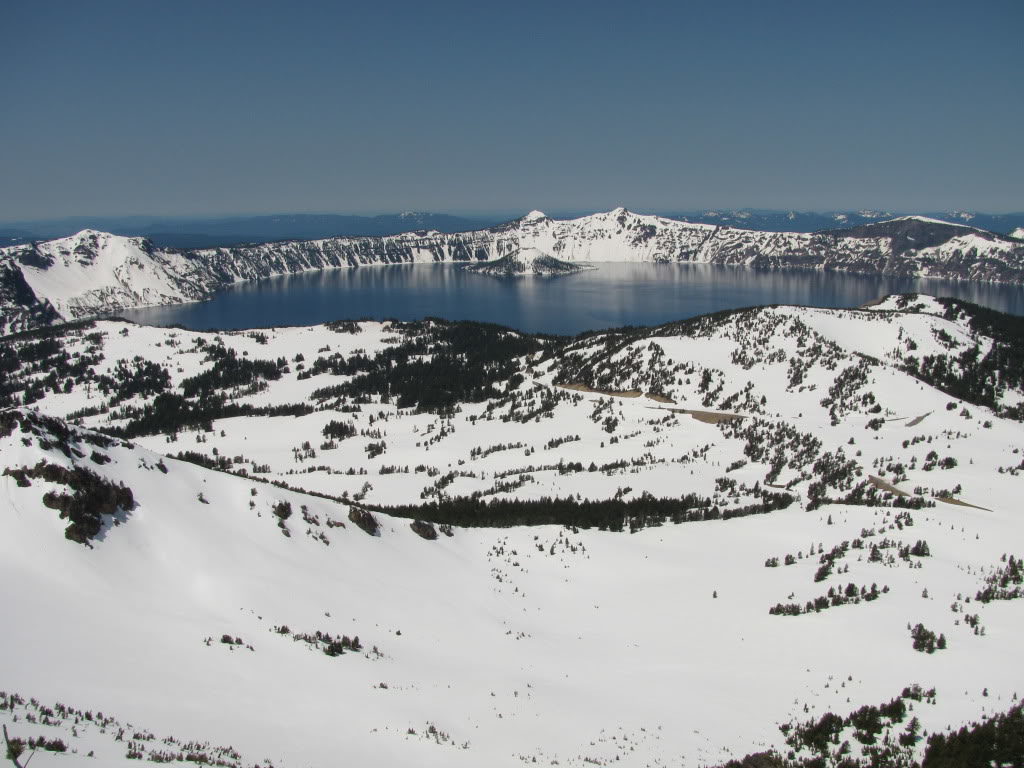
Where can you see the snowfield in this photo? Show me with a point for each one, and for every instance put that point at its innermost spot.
(499, 646)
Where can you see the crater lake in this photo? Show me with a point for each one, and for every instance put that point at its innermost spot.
(613, 295)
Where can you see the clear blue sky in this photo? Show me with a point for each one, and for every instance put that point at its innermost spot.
(215, 107)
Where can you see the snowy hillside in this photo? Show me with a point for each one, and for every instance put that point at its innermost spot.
(94, 273)
(732, 524)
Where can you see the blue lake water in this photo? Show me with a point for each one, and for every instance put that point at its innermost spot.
(610, 296)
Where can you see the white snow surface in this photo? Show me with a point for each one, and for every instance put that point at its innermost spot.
(91, 271)
(581, 646)
(930, 220)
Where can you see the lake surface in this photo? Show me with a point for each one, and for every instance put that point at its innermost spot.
(612, 295)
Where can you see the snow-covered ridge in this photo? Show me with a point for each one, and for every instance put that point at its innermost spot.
(930, 220)
(92, 273)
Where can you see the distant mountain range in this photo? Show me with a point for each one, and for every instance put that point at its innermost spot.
(236, 230)
(94, 273)
(816, 221)
(178, 232)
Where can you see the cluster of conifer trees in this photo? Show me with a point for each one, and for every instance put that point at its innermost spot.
(607, 514)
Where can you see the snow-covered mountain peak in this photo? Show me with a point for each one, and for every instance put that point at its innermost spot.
(88, 234)
(1018, 233)
(616, 215)
(927, 220)
(534, 216)
(96, 240)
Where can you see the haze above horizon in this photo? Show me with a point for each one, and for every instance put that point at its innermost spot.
(192, 109)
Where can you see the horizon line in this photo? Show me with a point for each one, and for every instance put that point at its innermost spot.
(512, 212)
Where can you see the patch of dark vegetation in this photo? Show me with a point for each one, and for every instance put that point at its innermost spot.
(219, 463)
(91, 497)
(423, 529)
(1005, 583)
(970, 375)
(16, 747)
(140, 744)
(927, 641)
(36, 362)
(906, 234)
(365, 520)
(282, 511)
(994, 741)
(822, 737)
(757, 760)
(232, 642)
(8, 422)
(778, 444)
(850, 595)
(339, 430)
(142, 378)
(330, 644)
(608, 514)
(998, 741)
(831, 470)
(229, 370)
(169, 412)
(438, 365)
(52, 433)
(345, 326)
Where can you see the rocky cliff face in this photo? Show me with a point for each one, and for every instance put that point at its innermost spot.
(93, 273)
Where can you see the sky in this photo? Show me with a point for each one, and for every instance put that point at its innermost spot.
(218, 108)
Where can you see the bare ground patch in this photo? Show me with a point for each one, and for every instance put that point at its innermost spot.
(709, 417)
(885, 485)
(611, 392)
(872, 303)
(660, 398)
(959, 503)
(918, 419)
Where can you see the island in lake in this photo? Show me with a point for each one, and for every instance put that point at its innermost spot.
(527, 261)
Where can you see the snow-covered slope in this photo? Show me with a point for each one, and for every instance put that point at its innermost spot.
(774, 432)
(93, 273)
